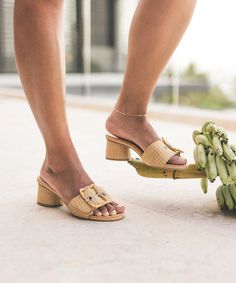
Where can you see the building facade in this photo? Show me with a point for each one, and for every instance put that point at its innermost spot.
(109, 27)
(7, 62)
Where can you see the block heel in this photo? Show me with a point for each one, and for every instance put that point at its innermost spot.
(117, 151)
(47, 198)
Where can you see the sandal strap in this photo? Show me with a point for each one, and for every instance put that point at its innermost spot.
(177, 150)
(157, 154)
(90, 198)
(102, 193)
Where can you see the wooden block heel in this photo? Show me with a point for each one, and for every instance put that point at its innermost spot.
(47, 198)
(117, 151)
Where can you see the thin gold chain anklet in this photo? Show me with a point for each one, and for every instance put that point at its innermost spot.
(130, 115)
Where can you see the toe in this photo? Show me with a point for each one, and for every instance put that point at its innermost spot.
(104, 211)
(119, 209)
(178, 160)
(111, 209)
(97, 213)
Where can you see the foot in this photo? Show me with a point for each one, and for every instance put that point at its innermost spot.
(66, 175)
(137, 130)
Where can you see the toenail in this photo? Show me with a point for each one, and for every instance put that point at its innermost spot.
(113, 212)
(106, 213)
(123, 207)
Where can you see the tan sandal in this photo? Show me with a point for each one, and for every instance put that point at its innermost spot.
(82, 206)
(156, 155)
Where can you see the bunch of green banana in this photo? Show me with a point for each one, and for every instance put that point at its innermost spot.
(226, 196)
(213, 154)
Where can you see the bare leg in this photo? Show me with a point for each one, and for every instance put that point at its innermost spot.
(156, 30)
(39, 46)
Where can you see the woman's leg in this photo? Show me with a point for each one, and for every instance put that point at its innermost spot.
(39, 46)
(156, 30)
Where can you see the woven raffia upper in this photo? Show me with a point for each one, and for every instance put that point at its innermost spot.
(90, 198)
(157, 154)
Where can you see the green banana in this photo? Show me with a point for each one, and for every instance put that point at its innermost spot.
(233, 147)
(211, 127)
(222, 133)
(232, 170)
(201, 139)
(228, 152)
(209, 137)
(230, 181)
(205, 125)
(217, 145)
(196, 157)
(227, 197)
(211, 165)
(204, 184)
(232, 190)
(195, 134)
(201, 156)
(220, 198)
(207, 171)
(221, 168)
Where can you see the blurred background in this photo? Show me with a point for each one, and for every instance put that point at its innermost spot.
(201, 73)
(163, 216)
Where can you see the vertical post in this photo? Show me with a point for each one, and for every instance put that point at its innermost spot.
(86, 8)
(175, 88)
(1, 37)
(79, 66)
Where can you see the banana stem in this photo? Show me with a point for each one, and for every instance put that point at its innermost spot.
(151, 172)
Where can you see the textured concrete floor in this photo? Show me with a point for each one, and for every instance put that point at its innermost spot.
(172, 232)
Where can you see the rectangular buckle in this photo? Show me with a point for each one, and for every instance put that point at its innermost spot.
(90, 199)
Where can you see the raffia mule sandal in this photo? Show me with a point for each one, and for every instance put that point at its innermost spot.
(156, 155)
(83, 205)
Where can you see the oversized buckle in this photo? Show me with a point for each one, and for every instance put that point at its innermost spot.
(93, 196)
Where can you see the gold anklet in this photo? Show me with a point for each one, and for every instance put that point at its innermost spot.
(130, 115)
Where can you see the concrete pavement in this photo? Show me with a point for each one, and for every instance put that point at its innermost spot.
(172, 231)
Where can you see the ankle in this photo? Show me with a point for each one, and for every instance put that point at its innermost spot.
(129, 108)
(69, 168)
(127, 127)
(117, 119)
(59, 161)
